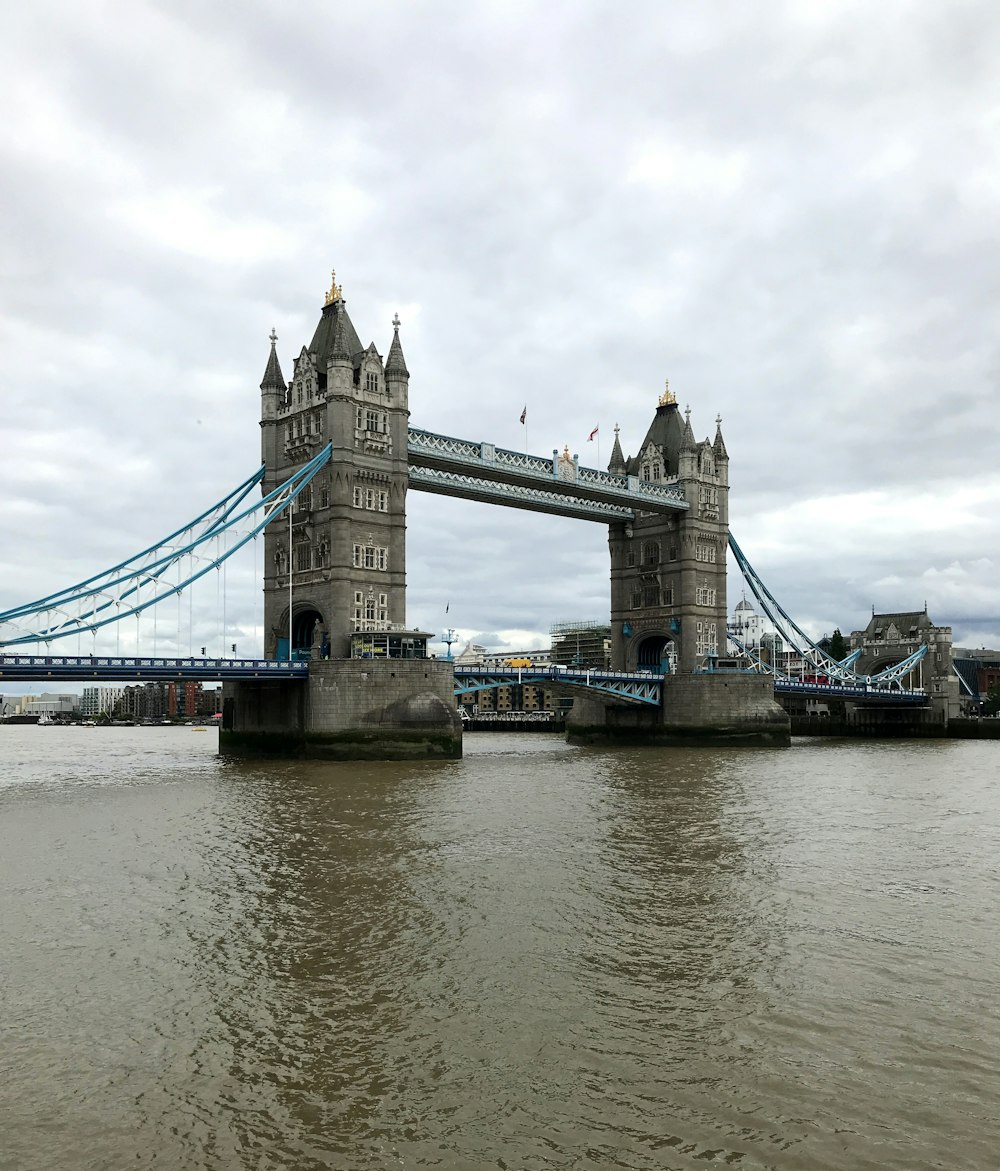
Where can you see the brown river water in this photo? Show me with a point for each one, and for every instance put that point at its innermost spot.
(536, 957)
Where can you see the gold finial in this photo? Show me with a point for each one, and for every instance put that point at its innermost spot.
(335, 293)
(668, 395)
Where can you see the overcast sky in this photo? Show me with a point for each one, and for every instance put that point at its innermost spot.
(787, 209)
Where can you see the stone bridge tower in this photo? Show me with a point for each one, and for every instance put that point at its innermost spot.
(668, 573)
(335, 569)
(346, 544)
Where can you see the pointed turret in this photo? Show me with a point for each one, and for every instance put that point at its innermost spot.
(273, 379)
(617, 464)
(719, 446)
(688, 439)
(395, 363)
(273, 397)
(397, 377)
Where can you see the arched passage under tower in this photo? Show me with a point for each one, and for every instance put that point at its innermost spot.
(309, 630)
(657, 652)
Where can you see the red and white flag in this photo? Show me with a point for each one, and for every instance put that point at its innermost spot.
(592, 434)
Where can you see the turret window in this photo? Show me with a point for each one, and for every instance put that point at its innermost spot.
(371, 383)
(705, 553)
(651, 553)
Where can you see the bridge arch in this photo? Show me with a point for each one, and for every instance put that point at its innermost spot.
(308, 626)
(655, 651)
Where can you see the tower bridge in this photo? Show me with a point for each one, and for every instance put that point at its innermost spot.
(343, 673)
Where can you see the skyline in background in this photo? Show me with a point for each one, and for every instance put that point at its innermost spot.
(788, 211)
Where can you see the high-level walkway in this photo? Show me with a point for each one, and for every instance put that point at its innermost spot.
(495, 475)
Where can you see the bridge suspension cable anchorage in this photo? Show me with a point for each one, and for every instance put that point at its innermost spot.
(160, 572)
(838, 672)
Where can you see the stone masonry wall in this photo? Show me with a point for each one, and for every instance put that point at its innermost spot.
(387, 693)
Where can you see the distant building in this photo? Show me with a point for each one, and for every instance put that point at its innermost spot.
(473, 655)
(507, 697)
(183, 699)
(49, 704)
(96, 700)
(143, 701)
(581, 644)
(747, 627)
(209, 701)
(978, 674)
(888, 639)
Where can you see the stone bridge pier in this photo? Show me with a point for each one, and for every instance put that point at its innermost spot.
(711, 710)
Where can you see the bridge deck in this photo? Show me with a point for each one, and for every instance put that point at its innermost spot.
(76, 668)
(631, 686)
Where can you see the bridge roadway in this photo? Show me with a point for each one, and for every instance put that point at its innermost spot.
(494, 475)
(632, 686)
(645, 687)
(144, 668)
(641, 687)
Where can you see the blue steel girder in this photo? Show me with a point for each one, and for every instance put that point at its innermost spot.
(467, 487)
(466, 468)
(633, 687)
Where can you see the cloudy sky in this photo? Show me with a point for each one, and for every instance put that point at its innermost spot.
(789, 209)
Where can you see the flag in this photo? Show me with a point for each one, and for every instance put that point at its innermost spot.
(592, 434)
(447, 608)
(524, 413)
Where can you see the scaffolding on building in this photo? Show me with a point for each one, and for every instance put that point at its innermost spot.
(581, 644)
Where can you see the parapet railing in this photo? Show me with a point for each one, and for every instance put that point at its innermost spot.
(493, 462)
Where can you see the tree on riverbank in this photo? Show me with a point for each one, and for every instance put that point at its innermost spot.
(838, 646)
